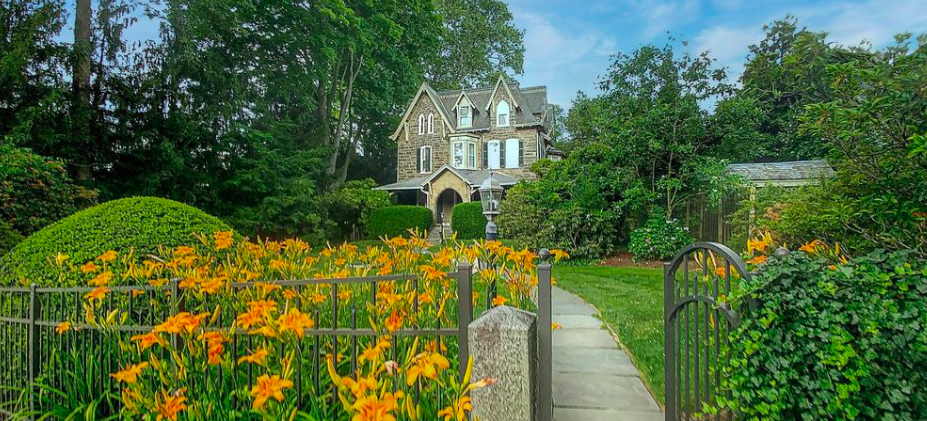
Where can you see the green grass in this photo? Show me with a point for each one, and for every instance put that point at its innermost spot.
(631, 302)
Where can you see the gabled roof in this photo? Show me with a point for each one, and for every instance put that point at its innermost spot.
(474, 178)
(501, 82)
(424, 88)
(532, 108)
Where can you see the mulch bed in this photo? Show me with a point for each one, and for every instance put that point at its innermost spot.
(623, 259)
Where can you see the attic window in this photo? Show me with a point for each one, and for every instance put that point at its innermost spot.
(421, 124)
(502, 114)
(464, 116)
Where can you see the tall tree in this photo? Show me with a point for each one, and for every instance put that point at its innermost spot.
(80, 114)
(479, 42)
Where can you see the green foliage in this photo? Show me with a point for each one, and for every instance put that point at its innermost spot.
(139, 223)
(659, 239)
(351, 207)
(36, 191)
(9, 237)
(576, 205)
(468, 221)
(396, 221)
(845, 342)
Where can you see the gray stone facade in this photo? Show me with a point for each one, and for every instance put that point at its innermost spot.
(528, 125)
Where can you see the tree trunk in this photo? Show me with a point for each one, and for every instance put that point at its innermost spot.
(83, 48)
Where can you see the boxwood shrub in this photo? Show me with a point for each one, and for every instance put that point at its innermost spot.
(834, 342)
(9, 237)
(139, 223)
(468, 221)
(394, 221)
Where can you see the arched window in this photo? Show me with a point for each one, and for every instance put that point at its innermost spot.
(502, 114)
(431, 123)
(421, 124)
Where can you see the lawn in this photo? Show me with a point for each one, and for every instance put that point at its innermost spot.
(631, 302)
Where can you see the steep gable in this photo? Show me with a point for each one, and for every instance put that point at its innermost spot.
(424, 89)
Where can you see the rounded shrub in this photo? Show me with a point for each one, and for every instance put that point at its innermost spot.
(396, 221)
(139, 223)
(468, 221)
(659, 239)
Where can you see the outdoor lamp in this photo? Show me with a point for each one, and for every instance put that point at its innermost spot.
(491, 196)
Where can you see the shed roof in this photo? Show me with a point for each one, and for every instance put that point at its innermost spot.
(783, 173)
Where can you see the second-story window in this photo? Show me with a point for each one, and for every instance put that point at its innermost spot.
(464, 116)
(502, 114)
(431, 123)
(424, 160)
(421, 124)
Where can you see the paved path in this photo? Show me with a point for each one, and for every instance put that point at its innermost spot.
(594, 379)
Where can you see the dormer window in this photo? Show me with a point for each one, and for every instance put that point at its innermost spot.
(464, 116)
(502, 114)
(431, 123)
(421, 124)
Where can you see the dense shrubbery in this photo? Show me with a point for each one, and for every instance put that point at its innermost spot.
(396, 221)
(36, 191)
(833, 339)
(659, 239)
(350, 208)
(9, 237)
(139, 223)
(576, 205)
(468, 221)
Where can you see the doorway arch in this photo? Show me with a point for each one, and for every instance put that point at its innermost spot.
(445, 205)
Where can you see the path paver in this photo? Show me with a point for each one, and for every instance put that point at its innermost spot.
(593, 377)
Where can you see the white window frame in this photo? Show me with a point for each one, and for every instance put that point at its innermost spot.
(499, 152)
(431, 123)
(499, 113)
(466, 147)
(509, 162)
(423, 161)
(460, 116)
(421, 124)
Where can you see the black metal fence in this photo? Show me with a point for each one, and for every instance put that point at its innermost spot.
(34, 353)
(698, 321)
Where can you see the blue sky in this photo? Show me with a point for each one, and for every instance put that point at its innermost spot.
(568, 43)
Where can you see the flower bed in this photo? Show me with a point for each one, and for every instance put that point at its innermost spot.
(267, 330)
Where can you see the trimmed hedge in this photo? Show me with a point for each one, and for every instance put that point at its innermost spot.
(833, 342)
(396, 221)
(139, 223)
(468, 221)
(9, 237)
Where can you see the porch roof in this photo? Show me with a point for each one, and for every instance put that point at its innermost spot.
(474, 178)
(791, 173)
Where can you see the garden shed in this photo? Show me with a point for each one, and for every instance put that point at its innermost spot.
(715, 223)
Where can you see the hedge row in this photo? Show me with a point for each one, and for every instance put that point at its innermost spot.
(468, 221)
(139, 223)
(396, 221)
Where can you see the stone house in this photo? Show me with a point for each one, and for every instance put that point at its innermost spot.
(449, 142)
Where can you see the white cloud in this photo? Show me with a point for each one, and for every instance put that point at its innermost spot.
(561, 58)
(874, 21)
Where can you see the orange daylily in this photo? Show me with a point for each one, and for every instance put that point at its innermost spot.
(129, 374)
(257, 357)
(171, 405)
(62, 327)
(296, 322)
(426, 365)
(149, 339)
(109, 256)
(98, 294)
(269, 387)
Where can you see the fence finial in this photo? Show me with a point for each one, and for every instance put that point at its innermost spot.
(782, 252)
(544, 254)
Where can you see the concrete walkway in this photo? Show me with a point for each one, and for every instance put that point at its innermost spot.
(594, 379)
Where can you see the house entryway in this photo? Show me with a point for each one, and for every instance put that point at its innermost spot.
(444, 208)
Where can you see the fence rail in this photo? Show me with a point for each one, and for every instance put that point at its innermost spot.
(35, 353)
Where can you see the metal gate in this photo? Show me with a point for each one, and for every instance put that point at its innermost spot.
(698, 320)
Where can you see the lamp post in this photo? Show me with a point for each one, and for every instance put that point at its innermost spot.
(491, 196)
